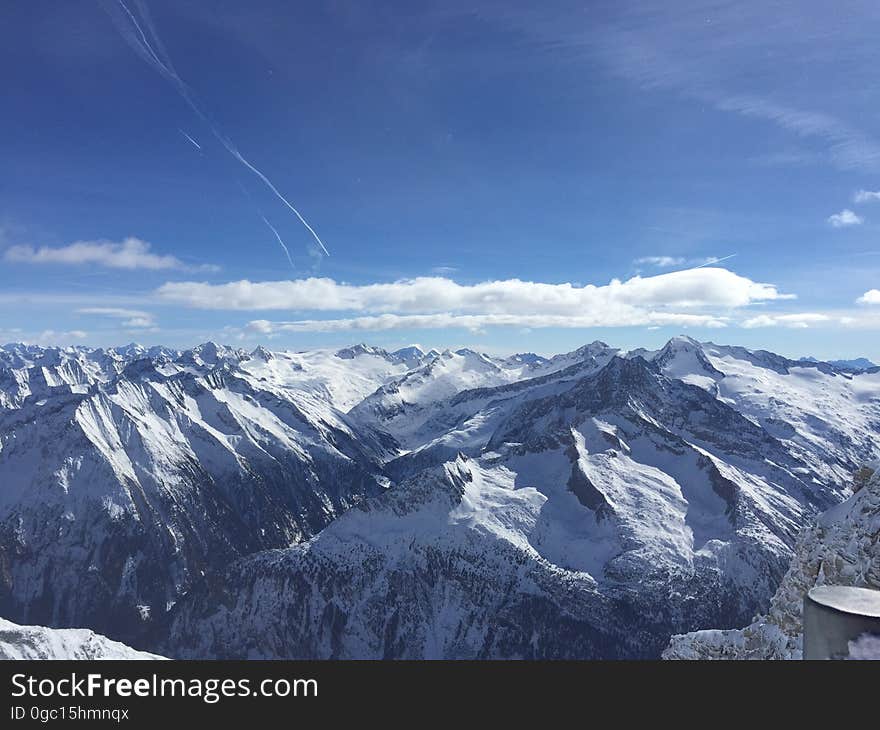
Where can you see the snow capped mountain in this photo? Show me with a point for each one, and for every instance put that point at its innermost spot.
(685, 359)
(437, 567)
(611, 494)
(342, 378)
(841, 548)
(219, 502)
(38, 642)
(827, 418)
(858, 363)
(117, 495)
(396, 404)
(525, 358)
(406, 406)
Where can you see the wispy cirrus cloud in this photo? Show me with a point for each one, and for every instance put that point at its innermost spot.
(53, 337)
(661, 262)
(46, 337)
(844, 219)
(667, 262)
(866, 196)
(479, 322)
(130, 253)
(134, 318)
(800, 320)
(716, 55)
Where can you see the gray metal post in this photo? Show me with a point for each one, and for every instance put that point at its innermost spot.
(836, 615)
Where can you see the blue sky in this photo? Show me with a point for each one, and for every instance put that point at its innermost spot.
(505, 176)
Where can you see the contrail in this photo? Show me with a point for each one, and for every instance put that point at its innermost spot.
(195, 144)
(272, 228)
(238, 156)
(139, 41)
(711, 262)
(144, 41)
(266, 221)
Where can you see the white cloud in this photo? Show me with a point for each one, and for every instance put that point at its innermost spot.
(134, 318)
(131, 253)
(51, 337)
(845, 218)
(478, 322)
(666, 262)
(800, 320)
(262, 326)
(847, 318)
(693, 297)
(872, 296)
(661, 262)
(690, 289)
(866, 196)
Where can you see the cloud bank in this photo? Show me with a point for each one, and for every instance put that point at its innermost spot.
(478, 322)
(706, 287)
(694, 297)
(799, 320)
(131, 253)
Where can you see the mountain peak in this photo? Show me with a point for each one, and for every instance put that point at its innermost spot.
(349, 353)
(684, 355)
(261, 353)
(592, 349)
(856, 363)
(411, 351)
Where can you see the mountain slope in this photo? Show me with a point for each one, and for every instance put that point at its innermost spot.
(598, 514)
(827, 418)
(640, 494)
(431, 569)
(841, 548)
(115, 499)
(38, 642)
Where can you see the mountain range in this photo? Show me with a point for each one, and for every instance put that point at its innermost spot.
(360, 503)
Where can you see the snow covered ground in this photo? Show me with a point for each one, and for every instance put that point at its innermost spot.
(39, 642)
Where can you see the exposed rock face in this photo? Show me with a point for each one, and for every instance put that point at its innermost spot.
(841, 548)
(432, 569)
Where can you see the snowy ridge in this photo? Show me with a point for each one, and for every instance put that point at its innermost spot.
(114, 499)
(152, 494)
(38, 642)
(614, 491)
(437, 567)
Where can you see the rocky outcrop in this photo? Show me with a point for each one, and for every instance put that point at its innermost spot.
(841, 548)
